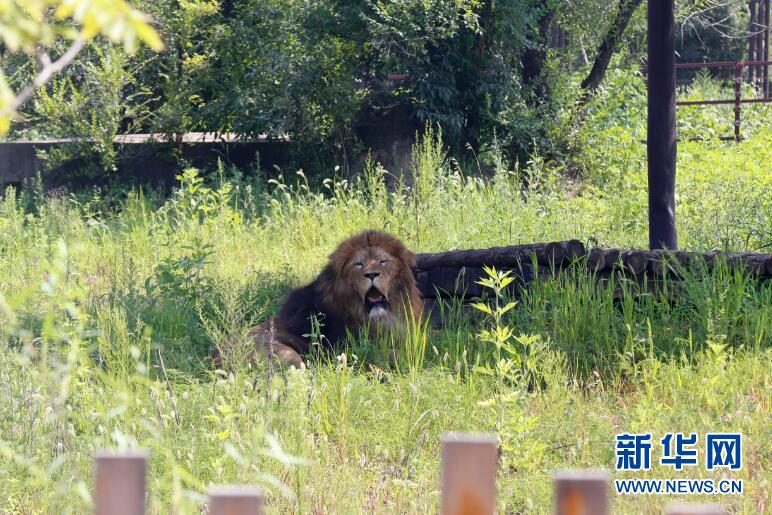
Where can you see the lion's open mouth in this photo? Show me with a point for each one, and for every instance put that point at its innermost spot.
(376, 303)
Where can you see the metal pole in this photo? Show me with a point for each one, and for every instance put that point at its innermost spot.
(738, 71)
(760, 42)
(662, 125)
(766, 48)
(751, 37)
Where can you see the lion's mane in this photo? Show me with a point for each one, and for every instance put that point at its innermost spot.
(333, 300)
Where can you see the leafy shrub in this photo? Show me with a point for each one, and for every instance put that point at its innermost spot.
(180, 279)
(71, 108)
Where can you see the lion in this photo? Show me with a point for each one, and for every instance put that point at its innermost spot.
(367, 284)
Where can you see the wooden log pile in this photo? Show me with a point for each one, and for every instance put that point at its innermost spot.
(455, 273)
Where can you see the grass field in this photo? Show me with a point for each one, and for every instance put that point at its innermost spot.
(110, 305)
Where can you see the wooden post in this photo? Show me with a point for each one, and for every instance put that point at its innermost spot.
(581, 492)
(469, 465)
(694, 509)
(120, 483)
(661, 125)
(235, 500)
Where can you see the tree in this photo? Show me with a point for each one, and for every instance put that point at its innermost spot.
(535, 53)
(33, 27)
(609, 45)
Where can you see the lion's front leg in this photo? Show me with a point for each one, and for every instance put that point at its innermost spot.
(272, 342)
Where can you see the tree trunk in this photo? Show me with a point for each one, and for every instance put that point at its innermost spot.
(609, 46)
(534, 57)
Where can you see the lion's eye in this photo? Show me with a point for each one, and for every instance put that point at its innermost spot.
(358, 265)
(384, 261)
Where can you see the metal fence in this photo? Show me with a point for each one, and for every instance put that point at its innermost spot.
(738, 101)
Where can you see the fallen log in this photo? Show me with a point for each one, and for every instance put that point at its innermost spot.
(558, 253)
(457, 272)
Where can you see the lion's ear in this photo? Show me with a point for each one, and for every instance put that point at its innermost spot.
(336, 265)
(337, 261)
(407, 257)
(327, 275)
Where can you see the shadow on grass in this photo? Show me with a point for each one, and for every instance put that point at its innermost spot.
(184, 323)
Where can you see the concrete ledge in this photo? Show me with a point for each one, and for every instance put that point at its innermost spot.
(148, 156)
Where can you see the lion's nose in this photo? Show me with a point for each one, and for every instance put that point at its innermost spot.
(372, 275)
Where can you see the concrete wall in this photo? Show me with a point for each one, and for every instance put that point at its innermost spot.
(144, 158)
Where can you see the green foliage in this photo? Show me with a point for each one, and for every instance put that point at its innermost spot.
(281, 68)
(318, 74)
(25, 24)
(194, 201)
(255, 68)
(92, 121)
(514, 364)
(108, 393)
(179, 279)
(711, 31)
(114, 350)
(33, 26)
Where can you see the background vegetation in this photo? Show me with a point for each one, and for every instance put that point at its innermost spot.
(482, 71)
(111, 303)
(111, 298)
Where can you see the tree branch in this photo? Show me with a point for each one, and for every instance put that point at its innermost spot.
(608, 47)
(48, 70)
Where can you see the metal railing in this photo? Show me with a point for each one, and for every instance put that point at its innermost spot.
(738, 101)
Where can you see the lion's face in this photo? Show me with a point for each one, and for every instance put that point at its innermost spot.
(369, 279)
(372, 271)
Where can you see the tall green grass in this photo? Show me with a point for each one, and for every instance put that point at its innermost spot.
(108, 313)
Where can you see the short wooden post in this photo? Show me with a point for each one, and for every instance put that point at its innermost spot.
(684, 508)
(581, 492)
(119, 485)
(469, 465)
(235, 500)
